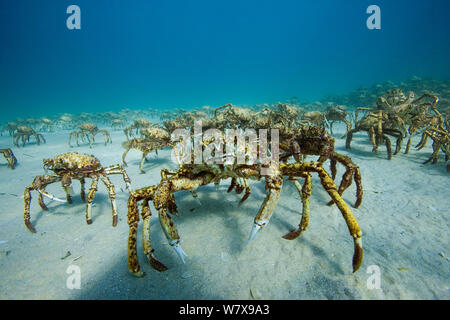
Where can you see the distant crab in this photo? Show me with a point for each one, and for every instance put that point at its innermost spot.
(337, 113)
(394, 112)
(315, 118)
(9, 156)
(24, 133)
(117, 124)
(440, 134)
(311, 140)
(155, 133)
(89, 131)
(378, 126)
(46, 124)
(11, 127)
(143, 145)
(137, 125)
(68, 166)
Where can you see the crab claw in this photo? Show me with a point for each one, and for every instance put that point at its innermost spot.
(256, 227)
(51, 197)
(176, 246)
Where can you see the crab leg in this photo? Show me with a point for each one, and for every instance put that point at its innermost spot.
(90, 198)
(148, 250)
(43, 139)
(351, 170)
(7, 153)
(330, 187)
(348, 141)
(171, 233)
(165, 201)
(106, 136)
(232, 185)
(388, 146)
(118, 169)
(305, 193)
(68, 192)
(127, 149)
(112, 197)
(373, 140)
(39, 184)
(270, 202)
(66, 184)
(352, 224)
(247, 190)
(349, 127)
(423, 141)
(380, 127)
(399, 137)
(144, 154)
(41, 202)
(83, 192)
(133, 221)
(70, 138)
(434, 156)
(91, 139)
(408, 144)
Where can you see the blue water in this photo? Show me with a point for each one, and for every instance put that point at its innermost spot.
(170, 54)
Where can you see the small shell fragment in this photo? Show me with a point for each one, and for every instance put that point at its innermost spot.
(224, 256)
(186, 275)
(68, 254)
(255, 293)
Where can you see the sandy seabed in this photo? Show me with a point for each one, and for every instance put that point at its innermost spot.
(404, 218)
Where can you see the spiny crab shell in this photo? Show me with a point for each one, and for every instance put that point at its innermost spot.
(155, 133)
(88, 126)
(73, 161)
(311, 140)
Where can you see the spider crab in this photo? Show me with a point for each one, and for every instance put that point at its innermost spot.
(192, 176)
(117, 124)
(137, 125)
(143, 145)
(11, 127)
(68, 166)
(312, 140)
(393, 113)
(337, 113)
(9, 156)
(315, 118)
(440, 134)
(89, 131)
(24, 133)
